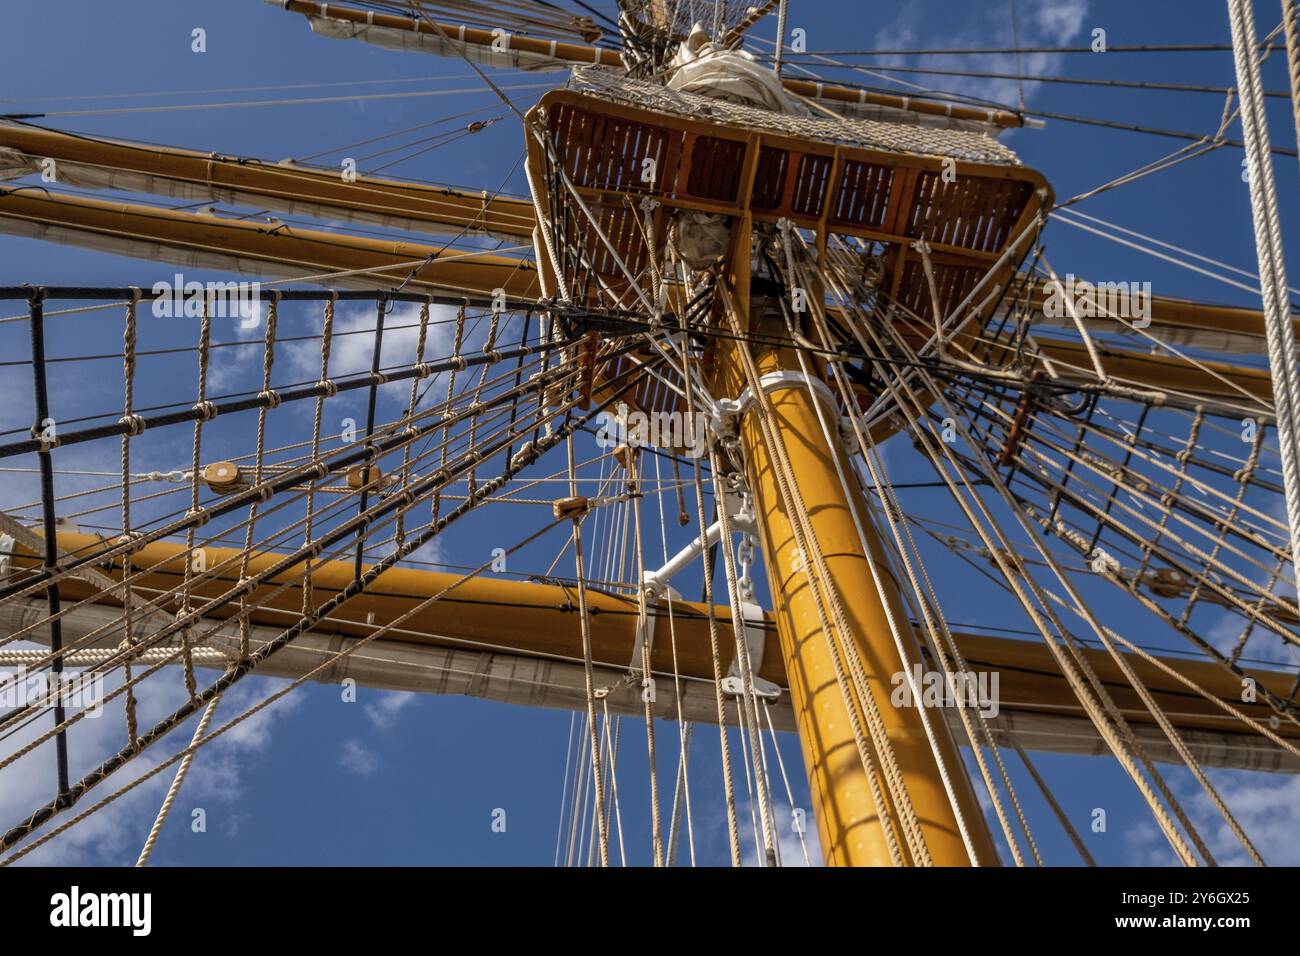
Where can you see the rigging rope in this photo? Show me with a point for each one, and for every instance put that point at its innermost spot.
(1282, 353)
(1291, 27)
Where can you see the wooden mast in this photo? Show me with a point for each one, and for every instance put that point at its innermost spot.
(850, 821)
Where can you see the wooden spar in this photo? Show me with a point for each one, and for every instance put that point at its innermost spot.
(189, 174)
(183, 173)
(534, 53)
(180, 173)
(534, 620)
(1158, 372)
(566, 54)
(247, 247)
(1181, 321)
(836, 93)
(259, 248)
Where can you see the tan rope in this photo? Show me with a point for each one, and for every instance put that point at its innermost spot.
(1106, 717)
(819, 580)
(421, 338)
(326, 343)
(728, 780)
(268, 363)
(585, 622)
(156, 830)
(647, 695)
(128, 377)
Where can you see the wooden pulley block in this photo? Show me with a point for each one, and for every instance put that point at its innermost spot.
(223, 477)
(356, 476)
(572, 507)
(1167, 582)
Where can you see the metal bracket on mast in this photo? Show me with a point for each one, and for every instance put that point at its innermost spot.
(729, 410)
(786, 378)
(645, 636)
(755, 641)
(740, 518)
(751, 616)
(657, 581)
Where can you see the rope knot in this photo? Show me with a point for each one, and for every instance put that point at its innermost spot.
(207, 410)
(327, 387)
(270, 396)
(133, 423)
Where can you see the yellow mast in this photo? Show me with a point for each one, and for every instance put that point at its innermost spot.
(849, 822)
(852, 825)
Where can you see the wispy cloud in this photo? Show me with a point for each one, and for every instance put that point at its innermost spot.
(792, 850)
(353, 343)
(113, 835)
(1267, 808)
(1049, 23)
(356, 757)
(383, 713)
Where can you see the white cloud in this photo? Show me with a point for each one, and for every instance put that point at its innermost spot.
(357, 758)
(1055, 20)
(114, 834)
(218, 772)
(1266, 807)
(384, 711)
(432, 551)
(790, 849)
(232, 823)
(353, 344)
(1049, 23)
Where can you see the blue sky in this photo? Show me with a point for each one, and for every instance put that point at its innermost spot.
(406, 780)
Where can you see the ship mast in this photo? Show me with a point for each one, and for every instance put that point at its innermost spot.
(887, 782)
(731, 336)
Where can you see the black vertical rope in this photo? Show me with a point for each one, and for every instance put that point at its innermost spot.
(381, 310)
(519, 372)
(41, 391)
